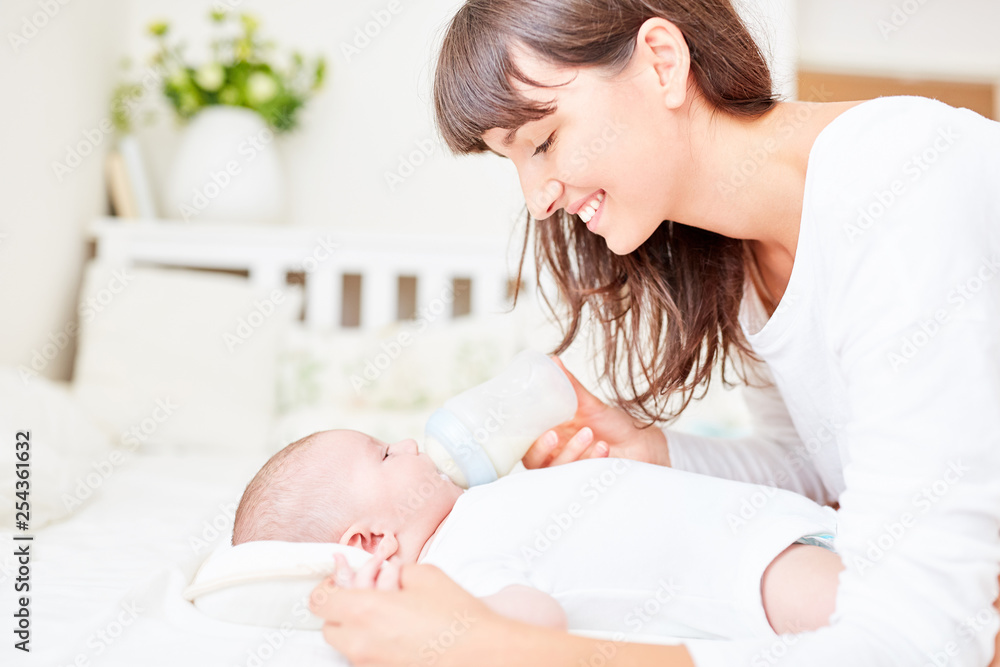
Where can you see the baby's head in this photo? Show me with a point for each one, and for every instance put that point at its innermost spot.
(347, 487)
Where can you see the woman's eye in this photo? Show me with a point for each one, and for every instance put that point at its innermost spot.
(546, 146)
(386, 454)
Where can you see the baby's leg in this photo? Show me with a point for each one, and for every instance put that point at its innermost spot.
(799, 588)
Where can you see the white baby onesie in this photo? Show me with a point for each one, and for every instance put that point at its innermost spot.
(628, 547)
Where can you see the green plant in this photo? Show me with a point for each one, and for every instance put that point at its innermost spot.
(239, 74)
(122, 99)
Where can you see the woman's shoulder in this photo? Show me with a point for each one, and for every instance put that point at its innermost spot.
(893, 116)
(889, 131)
(899, 144)
(903, 204)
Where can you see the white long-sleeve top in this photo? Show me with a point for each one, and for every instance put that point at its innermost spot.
(885, 354)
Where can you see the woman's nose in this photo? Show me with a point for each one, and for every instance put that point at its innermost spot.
(543, 201)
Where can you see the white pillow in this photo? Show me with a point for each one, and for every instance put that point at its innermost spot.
(409, 365)
(266, 583)
(175, 360)
(69, 457)
(386, 425)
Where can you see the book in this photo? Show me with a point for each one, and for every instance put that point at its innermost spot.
(142, 194)
(122, 197)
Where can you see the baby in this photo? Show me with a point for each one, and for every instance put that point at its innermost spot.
(605, 544)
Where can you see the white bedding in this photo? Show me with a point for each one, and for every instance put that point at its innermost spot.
(107, 580)
(107, 583)
(118, 567)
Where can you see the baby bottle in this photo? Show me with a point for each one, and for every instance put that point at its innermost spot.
(479, 435)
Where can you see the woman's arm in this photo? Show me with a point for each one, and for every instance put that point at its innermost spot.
(515, 601)
(774, 455)
(996, 641)
(919, 523)
(911, 318)
(433, 620)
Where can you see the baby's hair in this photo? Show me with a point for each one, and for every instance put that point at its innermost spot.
(283, 500)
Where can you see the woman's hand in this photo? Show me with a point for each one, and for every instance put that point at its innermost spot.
(431, 619)
(595, 431)
(996, 641)
(434, 621)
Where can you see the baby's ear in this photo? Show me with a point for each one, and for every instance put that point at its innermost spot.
(357, 536)
(387, 545)
(377, 544)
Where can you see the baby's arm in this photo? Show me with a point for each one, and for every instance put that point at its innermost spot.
(799, 588)
(524, 603)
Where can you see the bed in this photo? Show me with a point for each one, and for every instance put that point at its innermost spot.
(194, 371)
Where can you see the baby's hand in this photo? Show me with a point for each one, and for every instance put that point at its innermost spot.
(377, 573)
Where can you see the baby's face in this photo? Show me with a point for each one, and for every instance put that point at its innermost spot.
(376, 465)
(390, 484)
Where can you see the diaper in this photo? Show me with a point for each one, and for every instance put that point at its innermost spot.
(824, 540)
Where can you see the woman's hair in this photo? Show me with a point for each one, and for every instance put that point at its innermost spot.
(668, 311)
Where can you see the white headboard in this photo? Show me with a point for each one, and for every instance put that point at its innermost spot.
(323, 257)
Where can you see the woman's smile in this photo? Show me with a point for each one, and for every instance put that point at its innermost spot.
(594, 221)
(590, 213)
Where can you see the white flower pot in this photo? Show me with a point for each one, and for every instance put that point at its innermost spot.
(227, 169)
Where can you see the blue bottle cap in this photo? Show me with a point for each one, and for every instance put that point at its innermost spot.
(468, 454)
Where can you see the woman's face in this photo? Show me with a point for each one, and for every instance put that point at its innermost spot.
(621, 137)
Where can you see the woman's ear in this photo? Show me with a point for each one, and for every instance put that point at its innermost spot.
(660, 44)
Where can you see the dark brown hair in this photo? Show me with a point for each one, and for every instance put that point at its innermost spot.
(668, 311)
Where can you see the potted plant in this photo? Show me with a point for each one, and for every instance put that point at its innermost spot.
(128, 185)
(227, 167)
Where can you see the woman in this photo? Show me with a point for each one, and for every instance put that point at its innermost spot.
(852, 247)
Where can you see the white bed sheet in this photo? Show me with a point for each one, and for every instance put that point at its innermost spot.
(125, 557)
(118, 566)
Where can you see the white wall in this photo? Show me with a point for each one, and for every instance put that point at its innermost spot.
(371, 116)
(374, 113)
(773, 25)
(56, 88)
(927, 38)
